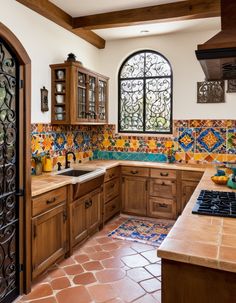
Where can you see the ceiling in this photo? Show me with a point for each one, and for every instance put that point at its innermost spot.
(77, 8)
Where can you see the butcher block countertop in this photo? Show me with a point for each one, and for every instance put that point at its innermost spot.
(202, 240)
(49, 181)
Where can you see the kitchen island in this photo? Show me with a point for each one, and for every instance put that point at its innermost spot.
(199, 255)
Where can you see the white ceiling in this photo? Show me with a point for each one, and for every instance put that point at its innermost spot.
(78, 8)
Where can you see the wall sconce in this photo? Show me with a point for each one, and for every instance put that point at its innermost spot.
(44, 99)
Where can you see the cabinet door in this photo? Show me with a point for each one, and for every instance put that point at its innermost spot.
(188, 188)
(162, 208)
(93, 212)
(92, 96)
(134, 191)
(78, 221)
(102, 100)
(82, 97)
(163, 188)
(48, 238)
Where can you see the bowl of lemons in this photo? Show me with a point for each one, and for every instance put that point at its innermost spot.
(221, 180)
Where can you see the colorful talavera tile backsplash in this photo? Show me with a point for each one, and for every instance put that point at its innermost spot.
(193, 141)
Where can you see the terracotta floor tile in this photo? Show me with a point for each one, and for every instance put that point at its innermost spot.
(88, 250)
(139, 274)
(110, 275)
(128, 289)
(123, 251)
(73, 269)
(110, 246)
(151, 255)
(102, 292)
(39, 291)
(104, 240)
(154, 269)
(74, 295)
(112, 263)
(60, 283)
(151, 285)
(56, 273)
(45, 300)
(101, 255)
(139, 247)
(92, 265)
(134, 261)
(84, 279)
(146, 299)
(66, 262)
(98, 247)
(118, 300)
(81, 258)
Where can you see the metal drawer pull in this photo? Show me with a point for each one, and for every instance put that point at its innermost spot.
(51, 201)
(163, 205)
(112, 185)
(113, 207)
(134, 172)
(111, 176)
(87, 204)
(164, 174)
(164, 184)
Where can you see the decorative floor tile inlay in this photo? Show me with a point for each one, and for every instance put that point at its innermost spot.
(125, 271)
(143, 231)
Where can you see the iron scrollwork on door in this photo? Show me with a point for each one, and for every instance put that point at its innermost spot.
(9, 216)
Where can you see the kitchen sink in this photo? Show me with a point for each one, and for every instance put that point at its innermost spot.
(75, 173)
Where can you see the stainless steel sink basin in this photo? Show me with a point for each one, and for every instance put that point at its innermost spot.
(75, 173)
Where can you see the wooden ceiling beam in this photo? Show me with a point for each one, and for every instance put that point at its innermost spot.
(183, 10)
(57, 15)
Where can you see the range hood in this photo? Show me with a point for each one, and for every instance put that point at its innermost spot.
(217, 56)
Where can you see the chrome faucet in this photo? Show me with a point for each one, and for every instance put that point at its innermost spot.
(67, 161)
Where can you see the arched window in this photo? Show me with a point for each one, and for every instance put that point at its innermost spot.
(145, 94)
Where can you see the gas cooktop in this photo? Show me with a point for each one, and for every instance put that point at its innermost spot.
(216, 203)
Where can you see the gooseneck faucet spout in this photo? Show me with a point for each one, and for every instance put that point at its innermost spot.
(67, 165)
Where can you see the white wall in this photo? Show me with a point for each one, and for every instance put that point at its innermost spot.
(179, 49)
(46, 43)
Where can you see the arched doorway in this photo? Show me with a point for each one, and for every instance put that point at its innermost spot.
(15, 183)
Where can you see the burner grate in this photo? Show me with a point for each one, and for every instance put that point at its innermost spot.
(216, 203)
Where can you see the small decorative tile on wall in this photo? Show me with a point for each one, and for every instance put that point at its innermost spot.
(193, 140)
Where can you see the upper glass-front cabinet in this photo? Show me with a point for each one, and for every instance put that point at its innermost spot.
(81, 96)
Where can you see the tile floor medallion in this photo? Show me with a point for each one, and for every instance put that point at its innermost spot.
(144, 231)
(102, 270)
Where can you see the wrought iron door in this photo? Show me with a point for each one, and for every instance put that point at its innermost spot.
(9, 210)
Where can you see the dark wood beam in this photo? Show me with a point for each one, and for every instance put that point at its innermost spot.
(184, 10)
(57, 15)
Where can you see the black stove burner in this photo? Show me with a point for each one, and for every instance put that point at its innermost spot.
(216, 203)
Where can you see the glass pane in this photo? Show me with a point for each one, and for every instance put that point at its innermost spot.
(134, 67)
(101, 100)
(158, 104)
(156, 65)
(92, 97)
(81, 79)
(131, 103)
(81, 102)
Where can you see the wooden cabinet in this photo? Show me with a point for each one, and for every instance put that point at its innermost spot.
(49, 230)
(85, 214)
(111, 193)
(189, 182)
(162, 201)
(134, 195)
(79, 95)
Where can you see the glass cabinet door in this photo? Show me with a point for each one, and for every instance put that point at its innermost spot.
(102, 96)
(81, 102)
(92, 98)
(60, 96)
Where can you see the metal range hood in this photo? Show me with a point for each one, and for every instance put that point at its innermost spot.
(217, 56)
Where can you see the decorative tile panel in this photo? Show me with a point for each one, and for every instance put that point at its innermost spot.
(231, 141)
(186, 139)
(211, 140)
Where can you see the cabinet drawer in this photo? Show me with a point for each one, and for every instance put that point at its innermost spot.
(112, 173)
(163, 173)
(111, 189)
(111, 208)
(192, 175)
(162, 208)
(162, 188)
(135, 171)
(48, 200)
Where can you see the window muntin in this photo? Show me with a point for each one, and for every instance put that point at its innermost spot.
(145, 94)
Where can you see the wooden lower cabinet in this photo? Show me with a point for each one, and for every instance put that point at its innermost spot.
(49, 238)
(162, 208)
(134, 195)
(85, 215)
(187, 189)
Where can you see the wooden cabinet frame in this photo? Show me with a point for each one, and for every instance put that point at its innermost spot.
(69, 108)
